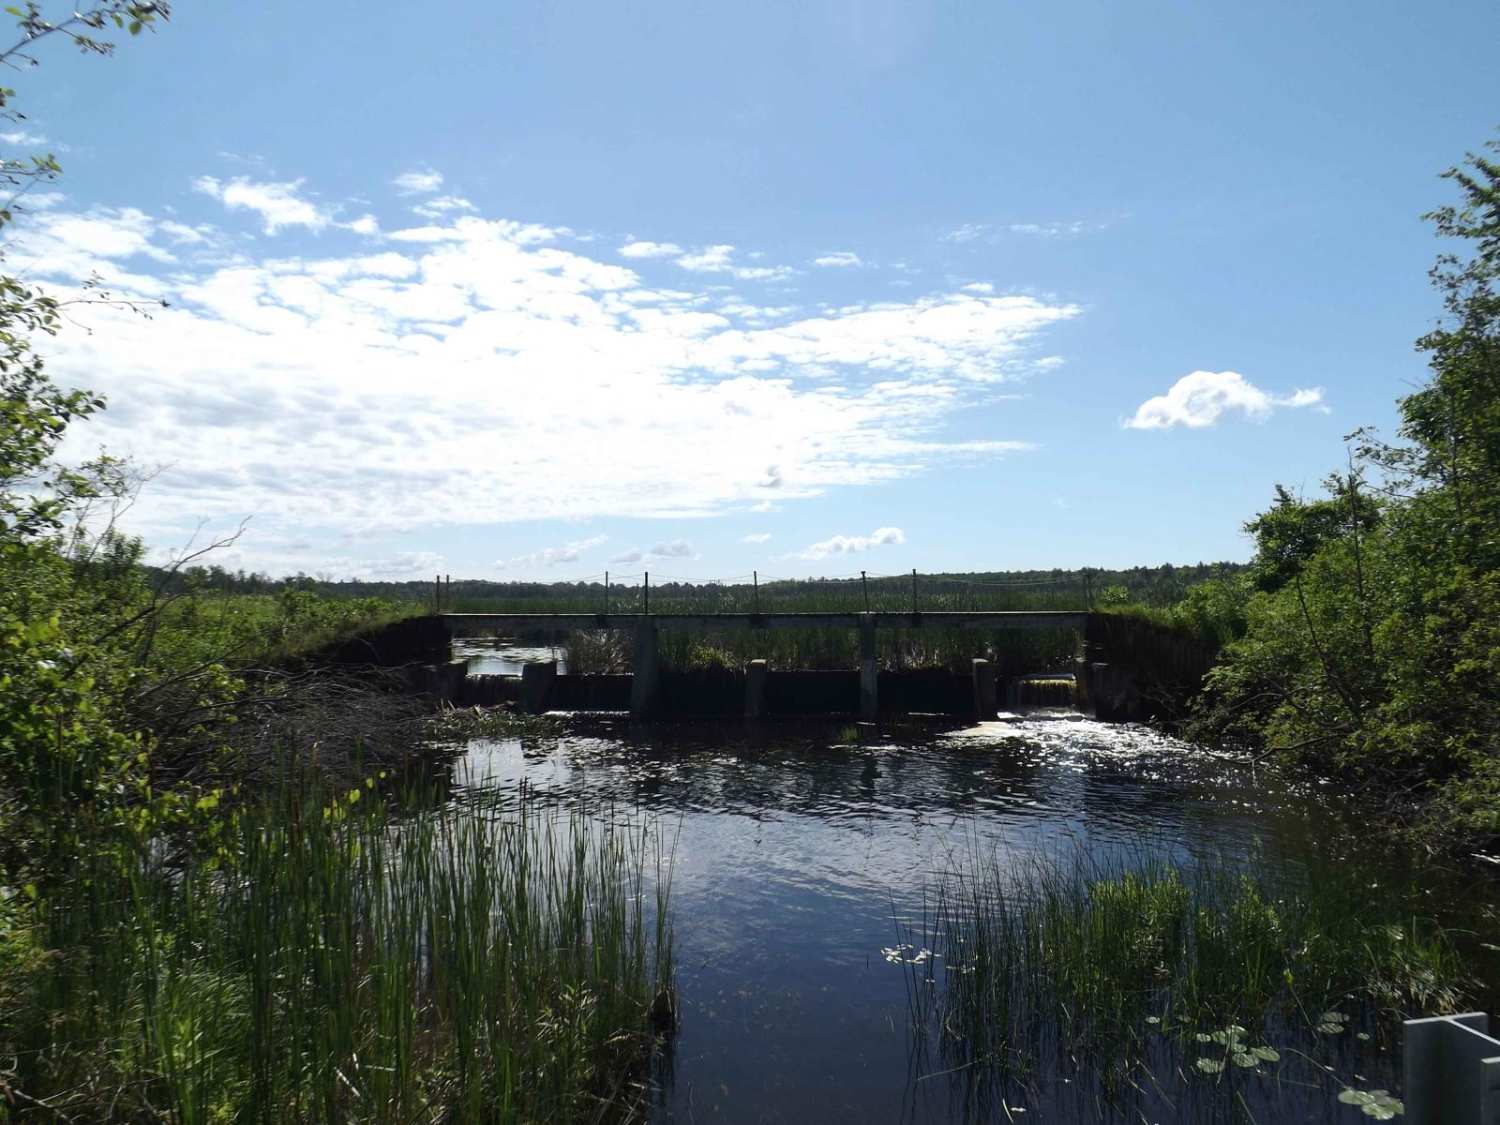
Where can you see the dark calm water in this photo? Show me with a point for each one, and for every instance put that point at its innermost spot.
(798, 859)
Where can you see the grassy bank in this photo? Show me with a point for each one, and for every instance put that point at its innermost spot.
(325, 961)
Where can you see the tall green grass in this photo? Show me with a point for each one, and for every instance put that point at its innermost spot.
(1102, 960)
(328, 961)
(1013, 651)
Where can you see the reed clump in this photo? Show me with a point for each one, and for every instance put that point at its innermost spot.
(1104, 960)
(324, 960)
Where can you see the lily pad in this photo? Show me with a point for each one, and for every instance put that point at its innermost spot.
(1373, 1103)
(1211, 1066)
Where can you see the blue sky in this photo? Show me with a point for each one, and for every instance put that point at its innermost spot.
(532, 290)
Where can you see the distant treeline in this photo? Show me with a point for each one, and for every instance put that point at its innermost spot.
(1157, 586)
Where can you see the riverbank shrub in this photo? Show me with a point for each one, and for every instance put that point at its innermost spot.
(1371, 644)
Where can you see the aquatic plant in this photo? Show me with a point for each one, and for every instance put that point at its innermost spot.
(1104, 959)
(329, 961)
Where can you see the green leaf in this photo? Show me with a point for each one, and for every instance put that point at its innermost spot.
(1266, 1054)
(1211, 1066)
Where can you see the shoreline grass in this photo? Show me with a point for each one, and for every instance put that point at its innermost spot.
(1151, 969)
(327, 961)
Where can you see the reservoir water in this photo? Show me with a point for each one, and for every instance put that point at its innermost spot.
(800, 855)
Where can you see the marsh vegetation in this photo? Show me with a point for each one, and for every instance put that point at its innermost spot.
(325, 956)
(1150, 971)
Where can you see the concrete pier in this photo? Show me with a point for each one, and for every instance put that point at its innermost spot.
(869, 672)
(985, 705)
(645, 683)
(536, 685)
(755, 689)
(1452, 1071)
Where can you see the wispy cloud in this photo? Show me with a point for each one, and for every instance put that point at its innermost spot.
(650, 250)
(418, 181)
(850, 544)
(1197, 400)
(278, 204)
(756, 537)
(299, 387)
(974, 232)
(719, 259)
(838, 258)
(967, 233)
(438, 206)
(670, 549)
(552, 556)
(1055, 229)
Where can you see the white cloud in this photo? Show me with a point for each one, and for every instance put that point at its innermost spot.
(365, 224)
(967, 233)
(418, 182)
(1055, 230)
(650, 250)
(404, 565)
(182, 233)
(552, 556)
(41, 200)
(850, 544)
(303, 389)
(22, 137)
(278, 204)
(711, 259)
(719, 259)
(756, 537)
(984, 288)
(1198, 399)
(107, 233)
(672, 549)
(441, 205)
(839, 258)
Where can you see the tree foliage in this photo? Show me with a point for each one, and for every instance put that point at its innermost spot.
(1372, 645)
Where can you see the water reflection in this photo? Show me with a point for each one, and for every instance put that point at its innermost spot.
(799, 857)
